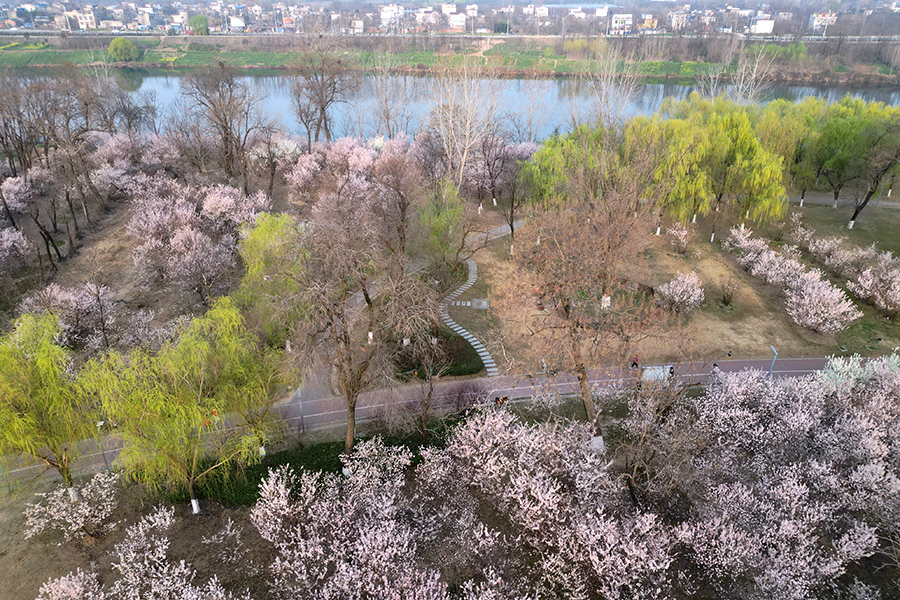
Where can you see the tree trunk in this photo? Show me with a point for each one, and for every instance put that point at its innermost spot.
(8, 213)
(587, 397)
(351, 426)
(72, 211)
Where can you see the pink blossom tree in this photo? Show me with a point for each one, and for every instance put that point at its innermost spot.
(85, 517)
(816, 304)
(14, 248)
(681, 236)
(811, 301)
(344, 538)
(880, 284)
(144, 570)
(188, 234)
(682, 294)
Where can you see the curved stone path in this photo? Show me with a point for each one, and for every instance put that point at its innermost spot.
(485, 356)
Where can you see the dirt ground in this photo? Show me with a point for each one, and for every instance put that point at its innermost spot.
(754, 321)
(28, 564)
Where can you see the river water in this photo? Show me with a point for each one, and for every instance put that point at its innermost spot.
(541, 107)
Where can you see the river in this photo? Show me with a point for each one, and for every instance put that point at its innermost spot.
(547, 104)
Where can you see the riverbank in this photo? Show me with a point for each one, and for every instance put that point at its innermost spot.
(495, 60)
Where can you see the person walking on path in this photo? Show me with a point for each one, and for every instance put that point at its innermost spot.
(634, 362)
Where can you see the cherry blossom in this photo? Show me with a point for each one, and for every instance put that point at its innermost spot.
(682, 294)
(227, 204)
(680, 236)
(816, 304)
(79, 585)
(811, 301)
(14, 248)
(86, 516)
(344, 537)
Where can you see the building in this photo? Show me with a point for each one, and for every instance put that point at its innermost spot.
(602, 12)
(648, 22)
(678, 20)
(391, 13)
(448, 9)
(81, 19)
(821, 21)
(621, 24)
(457, 21)
(762, 26)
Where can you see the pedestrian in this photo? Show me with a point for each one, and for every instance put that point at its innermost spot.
(634, 362)
(671, 371)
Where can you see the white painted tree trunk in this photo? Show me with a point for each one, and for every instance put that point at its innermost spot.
(195, 506)
(712, 238)
(694, 218)
(262, 450)
(850, 224)
(801, 202)
(480, 207)
(495, 202)
(73, 495)
(658, 229)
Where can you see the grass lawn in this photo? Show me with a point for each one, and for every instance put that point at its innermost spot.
(879, 224)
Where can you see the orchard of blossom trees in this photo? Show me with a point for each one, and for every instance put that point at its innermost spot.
(810, 300)
(241, 261)
(756, 488)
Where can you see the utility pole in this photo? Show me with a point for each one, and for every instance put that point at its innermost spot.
(772, 366)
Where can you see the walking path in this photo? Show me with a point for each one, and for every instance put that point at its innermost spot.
(488, 360)
(305, 415)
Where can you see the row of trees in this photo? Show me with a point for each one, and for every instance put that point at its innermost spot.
(756, 488)
(199, 405)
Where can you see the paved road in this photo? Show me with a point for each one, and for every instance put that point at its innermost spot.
(305, 415)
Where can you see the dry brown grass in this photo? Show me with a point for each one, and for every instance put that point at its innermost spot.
(28, 564)
(755, 320)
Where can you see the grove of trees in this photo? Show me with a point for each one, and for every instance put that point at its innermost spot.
(257, 261)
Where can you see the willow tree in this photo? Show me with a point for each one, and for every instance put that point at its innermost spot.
(41, 412)
(790, 130)
(740, 170)
(683, 185)
(198, 407)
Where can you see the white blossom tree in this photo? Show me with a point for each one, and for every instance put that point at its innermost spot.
(85, 517)
(682, 294)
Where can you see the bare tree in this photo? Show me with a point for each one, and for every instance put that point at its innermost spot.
(751, 79)
(230, 110)
(526, 119)
(465, 111)
(573, 299)
(320, 80)
(393, 97)
(358, 304)
(610, 83)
